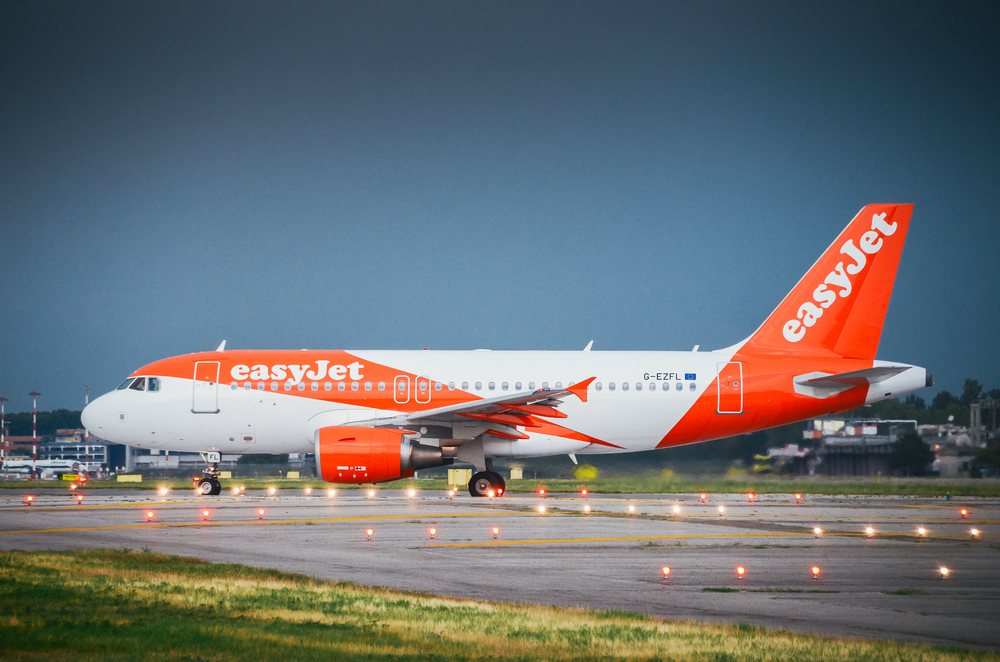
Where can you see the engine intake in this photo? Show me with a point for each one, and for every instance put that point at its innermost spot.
(371, 455)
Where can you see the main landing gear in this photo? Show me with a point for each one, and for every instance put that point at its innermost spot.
(482, 483)
(209, 484)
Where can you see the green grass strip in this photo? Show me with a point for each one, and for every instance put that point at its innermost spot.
(125, 605)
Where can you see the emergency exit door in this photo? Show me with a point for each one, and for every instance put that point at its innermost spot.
(730, 388)
(205, 399)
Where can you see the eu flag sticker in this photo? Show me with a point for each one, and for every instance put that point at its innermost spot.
(690, 376)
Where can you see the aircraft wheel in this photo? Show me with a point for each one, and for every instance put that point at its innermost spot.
(480, 484)
(205, 487)
(216, 487)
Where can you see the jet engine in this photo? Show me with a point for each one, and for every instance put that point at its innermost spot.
(371, 455)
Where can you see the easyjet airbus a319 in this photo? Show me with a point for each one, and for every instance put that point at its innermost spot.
(373, 416)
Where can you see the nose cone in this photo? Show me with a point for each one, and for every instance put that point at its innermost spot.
(95, 416)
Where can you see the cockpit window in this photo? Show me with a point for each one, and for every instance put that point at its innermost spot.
(154, 384)
(139, 384)
(124, 384)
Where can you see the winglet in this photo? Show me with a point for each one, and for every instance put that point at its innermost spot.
(580, 390)
(221, 347)
(589, 345)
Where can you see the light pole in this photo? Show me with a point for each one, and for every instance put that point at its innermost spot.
(34, 434)
(86, 435)
(3, 431)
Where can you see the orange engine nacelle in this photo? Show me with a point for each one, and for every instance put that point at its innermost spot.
(371, 455)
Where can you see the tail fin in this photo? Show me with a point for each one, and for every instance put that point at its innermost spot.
(839, 306)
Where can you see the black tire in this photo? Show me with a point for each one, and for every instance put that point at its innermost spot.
(206, 487)
(216, 487)
(481, 483)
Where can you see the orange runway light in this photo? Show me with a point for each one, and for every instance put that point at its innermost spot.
(922, 532)
(722, 509)
(583, 492)
(666, 571)
(964, 512)
(817, 532)
(944, 572)
(541, 510)
(703, 497)
(79, 498)
(412, 493)
(541, 491)
(272, 490)
(260, 513)
(798, 497)
(369, 533)
(677, 510)
(815, 572)
(309, 491)
(28, 499)
(204, 515)
(975, 533)
(740, 571)
(331, 493)
(235, 491)
(496, 531)
(491, 494)
(72, 486)
(870, 532)
(163, 491)
(586, 509)
(433, 532)
(451, 493)
(631, 510)
(195, 478)
(750, 496)
(371, 494)
(499, 491)
(149, 515)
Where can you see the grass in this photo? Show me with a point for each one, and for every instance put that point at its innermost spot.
(639, 484)
(125, 605)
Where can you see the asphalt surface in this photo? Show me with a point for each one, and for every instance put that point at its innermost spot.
(887, 585)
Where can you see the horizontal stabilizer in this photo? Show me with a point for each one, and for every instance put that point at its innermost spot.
(856, 378)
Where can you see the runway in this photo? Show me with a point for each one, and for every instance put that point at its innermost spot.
(884, 585)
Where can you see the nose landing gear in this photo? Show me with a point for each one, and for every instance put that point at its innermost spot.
(209, 484)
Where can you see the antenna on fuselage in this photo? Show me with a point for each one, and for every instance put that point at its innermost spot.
(221, 347)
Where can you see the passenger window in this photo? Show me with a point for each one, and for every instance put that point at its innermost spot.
(401, 385)
(234, 386)
(531, 386)
(517, 386)
(680, 387)
(381, 386)
(301, 386)
(368, 386)
(260, 386)
(638, 386)
(465, 386)
(492, 386)
(451, 386)
(124, 384)
(545, 384)
(503, 386)
(611, 386)
(139, 384)
(598, 386)
(246, 387)
(479, 386)
(274, 386)
(652, 386)
(328, 386)
(437, 386)
(692, 386)
(154, 384)
(354, 386)
(558, 384)
(288, 386)
(341, 386)
(314, 386)
(624, 386)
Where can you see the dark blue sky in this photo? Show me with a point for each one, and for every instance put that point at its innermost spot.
(460, 175)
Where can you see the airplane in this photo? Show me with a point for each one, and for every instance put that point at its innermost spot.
(374, 416)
